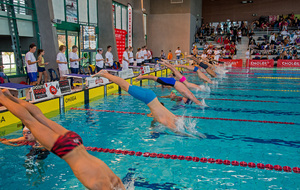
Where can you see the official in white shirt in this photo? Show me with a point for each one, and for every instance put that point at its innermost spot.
(145, 54)
(178, 53)
(149, 56)
(125, 59)
(74, 60)
(31, 64)
(99, 60)
(109, 58)
(131, 58)
(139, 57)
(62, 62)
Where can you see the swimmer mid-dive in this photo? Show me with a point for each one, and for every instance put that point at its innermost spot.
(174, 97)
(206, 66)
(91, 171)
(180, 87)
(160, 113)
(196, 69)
(183, 79)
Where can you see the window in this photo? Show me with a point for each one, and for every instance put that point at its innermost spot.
(9, 64)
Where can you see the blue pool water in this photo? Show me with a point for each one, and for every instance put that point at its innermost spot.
(266, 143)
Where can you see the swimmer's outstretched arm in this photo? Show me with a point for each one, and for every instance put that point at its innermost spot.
(11, 141)
(199, 73)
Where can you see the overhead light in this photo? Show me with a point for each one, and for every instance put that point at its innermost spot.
(244, 2)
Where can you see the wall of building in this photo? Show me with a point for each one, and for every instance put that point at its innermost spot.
(215, 11)
(172, 25)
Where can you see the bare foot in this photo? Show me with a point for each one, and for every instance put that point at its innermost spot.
(6, 92)
(138, 78)
(100, 73)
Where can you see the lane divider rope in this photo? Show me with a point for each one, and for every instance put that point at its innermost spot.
(196, 159)
(181, 157)
(274, 90)
(289, 78)
(194, 117)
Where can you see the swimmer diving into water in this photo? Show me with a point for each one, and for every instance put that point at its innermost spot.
(91, 171)
(205, 65)
(181, 78)
(196, 69)
(160, 113)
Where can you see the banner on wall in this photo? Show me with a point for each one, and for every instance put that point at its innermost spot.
(233, 62)
(260, 63)
(288, 63)
(88, 38)
(121, 41)
(129, 25)
(71, 11)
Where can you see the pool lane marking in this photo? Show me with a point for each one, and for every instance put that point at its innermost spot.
(274, 90)
(196, 159)
(287, 78)
(222, 99)
(194, 117)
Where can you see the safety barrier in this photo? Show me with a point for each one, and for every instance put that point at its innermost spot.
(196, 159)
(194, 117)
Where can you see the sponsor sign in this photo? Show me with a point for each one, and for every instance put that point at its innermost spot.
(121, 40)
(39, 92)
(260, 63)
(232, 62)
(64, 86)
(129, 25)
(288, 63)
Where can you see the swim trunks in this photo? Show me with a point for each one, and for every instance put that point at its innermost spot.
(166, 81)
(196, 69)
(204, 66)
(143, 94)
(66, 143)
(182, 79)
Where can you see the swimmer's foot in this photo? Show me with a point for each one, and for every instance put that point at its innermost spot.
(100, 73)
(6, 92)
(139, 78)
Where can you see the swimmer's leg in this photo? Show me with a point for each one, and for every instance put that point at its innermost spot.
(42, 133)
(149, 77)
(211, 72)
(203, 76)
(36, 113)
(184, 91)
(119, 81)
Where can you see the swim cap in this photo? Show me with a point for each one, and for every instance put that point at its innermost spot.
(25, 129)
(175, 92)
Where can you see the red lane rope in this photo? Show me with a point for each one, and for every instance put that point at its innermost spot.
(196, 159)
(233, 73)
(195, 117)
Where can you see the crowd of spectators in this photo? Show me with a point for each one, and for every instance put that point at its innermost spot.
(282, 45)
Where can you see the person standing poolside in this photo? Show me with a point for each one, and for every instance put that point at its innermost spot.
(41, 66)
(125, 59)
(131, 58)
(74, 60)
(160, 113)
(31, 64)
(149, 56)
(170, 55)
(89, 170)
(139, 57)
(99, 60)
(178, 53)
(62, 62)
(162, 54)
(109, 58)
(145, 54)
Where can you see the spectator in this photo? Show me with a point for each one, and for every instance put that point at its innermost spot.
(131, 58)
(62, 62)
(41, 66)
(109, 58)
(170, 55)
(272, 38)
(145, 54)
(239, 34)
(139, 57)
(248, 54)
(74, 60)
(162, 54)
(125, 59)
(99, 60)
(31, 64)
(178, 53)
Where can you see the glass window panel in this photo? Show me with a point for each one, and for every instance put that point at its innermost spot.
(9, 65)
(93, 11)
(118, 17)
(58, 9)
(83, 14)
(124, 18)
